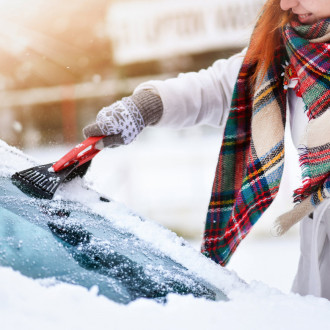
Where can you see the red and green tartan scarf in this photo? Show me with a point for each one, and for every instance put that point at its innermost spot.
(251, 159)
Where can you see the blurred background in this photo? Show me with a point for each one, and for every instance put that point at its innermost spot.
(62, 61)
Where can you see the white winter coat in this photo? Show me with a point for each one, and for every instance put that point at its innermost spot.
(204, 98)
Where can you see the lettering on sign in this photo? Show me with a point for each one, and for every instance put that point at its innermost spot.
(148, 30)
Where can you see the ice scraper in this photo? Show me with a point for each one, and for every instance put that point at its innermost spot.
(42, 181)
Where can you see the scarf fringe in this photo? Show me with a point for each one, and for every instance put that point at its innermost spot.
(285, 221)
(304, 191)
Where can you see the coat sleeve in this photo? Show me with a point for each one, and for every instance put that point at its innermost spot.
(197, 98)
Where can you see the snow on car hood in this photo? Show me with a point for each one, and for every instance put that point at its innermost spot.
(13, 160)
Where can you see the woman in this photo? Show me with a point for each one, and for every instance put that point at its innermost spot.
(286, 69)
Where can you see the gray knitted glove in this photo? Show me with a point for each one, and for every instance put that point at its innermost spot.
(123, 120)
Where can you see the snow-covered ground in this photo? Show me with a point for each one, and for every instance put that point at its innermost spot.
(165, 178)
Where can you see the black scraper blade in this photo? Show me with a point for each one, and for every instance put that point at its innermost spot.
(42, 182)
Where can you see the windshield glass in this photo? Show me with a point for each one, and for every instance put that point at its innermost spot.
(68, 242)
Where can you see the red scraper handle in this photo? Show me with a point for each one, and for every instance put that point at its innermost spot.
(81, 153)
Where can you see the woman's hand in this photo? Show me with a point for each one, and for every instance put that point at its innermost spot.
(123, 120)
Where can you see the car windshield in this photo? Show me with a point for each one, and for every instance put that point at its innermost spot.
(66, 241)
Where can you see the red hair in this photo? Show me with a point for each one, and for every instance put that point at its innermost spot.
(266, 36)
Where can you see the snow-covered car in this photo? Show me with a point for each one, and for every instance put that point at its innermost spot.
(76, 261)
(66, 240)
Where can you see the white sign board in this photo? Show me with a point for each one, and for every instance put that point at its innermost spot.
(148, 30)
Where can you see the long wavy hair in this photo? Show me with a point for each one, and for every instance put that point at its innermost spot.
(266, 37)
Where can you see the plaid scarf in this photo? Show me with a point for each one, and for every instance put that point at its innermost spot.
(251, 158)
